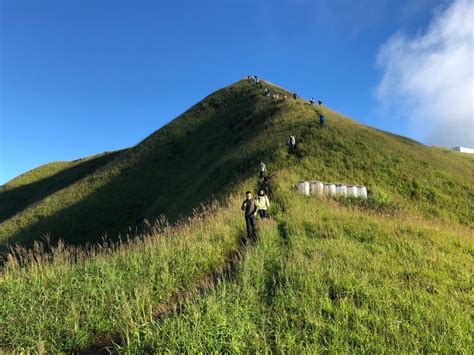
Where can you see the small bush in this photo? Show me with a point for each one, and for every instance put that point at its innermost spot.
(379, 202)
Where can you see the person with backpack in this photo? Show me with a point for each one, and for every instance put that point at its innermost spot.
(263, 204)
(322, 120)
(291, 143)
(249, 208)
(320, 102)
(263, 167)
(294, 96)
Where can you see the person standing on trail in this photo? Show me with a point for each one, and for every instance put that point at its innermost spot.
(292, 143)
(294, 96)
(249, 208)
(320, 102)
(322, 120)
(263, 204)
(311, 102)
(263, 167)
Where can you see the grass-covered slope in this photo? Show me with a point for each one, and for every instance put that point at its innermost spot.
(31, 187)
(327, 278)
(194, 159)
(215, 145)
(390, 274)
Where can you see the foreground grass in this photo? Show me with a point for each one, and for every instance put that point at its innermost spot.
(77, 300)
(327, 278)
(393, 274)
(322, 277)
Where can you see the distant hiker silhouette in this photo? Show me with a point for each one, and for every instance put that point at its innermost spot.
(322, 120)
(249, 208)
(291, 143)
(263, 167)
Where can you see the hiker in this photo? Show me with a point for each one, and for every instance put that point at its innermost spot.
(322, 120)
(265, 186)
(249, 208)
(263, 204)
(266, 91)
(311, 102)
(263, 167)
(285, 97)
(320, 102)
(294, 96)
(292, 143)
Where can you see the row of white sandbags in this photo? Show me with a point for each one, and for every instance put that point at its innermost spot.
(328, 189)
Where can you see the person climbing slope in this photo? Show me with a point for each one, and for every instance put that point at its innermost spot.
(291, 143)
(263, 168)
(263, 204)
(249, 208)
(322, 120)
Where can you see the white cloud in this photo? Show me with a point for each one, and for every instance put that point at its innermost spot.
(429, 78)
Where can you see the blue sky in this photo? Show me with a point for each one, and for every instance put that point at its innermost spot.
(82, 77)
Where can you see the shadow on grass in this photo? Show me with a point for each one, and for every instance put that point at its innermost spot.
(171, 173)
(17, 199)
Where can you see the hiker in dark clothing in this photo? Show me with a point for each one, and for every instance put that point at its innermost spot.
(294, 96)
(263, 168)
(249, 208)
(291, 143)
(320, 102)
(322, 120)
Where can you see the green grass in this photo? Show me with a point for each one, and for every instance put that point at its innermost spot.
(214, 146)
(390, 274)
(71, 299)
(35, 185)
(325, 278)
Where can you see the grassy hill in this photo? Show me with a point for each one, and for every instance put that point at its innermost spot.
(391, 274)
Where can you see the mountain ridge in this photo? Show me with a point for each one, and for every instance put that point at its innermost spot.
(215, 144)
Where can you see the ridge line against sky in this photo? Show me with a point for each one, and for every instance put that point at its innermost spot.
(82, 77)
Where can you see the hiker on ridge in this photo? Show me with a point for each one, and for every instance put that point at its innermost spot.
(294, 96)
(311, 102)
(263, 167)
(249, 208)
(263, 204)
(322, 120)
(320, 102)
(291, 143)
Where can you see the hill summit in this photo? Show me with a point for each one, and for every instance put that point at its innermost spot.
(212, 147)
(390, 273)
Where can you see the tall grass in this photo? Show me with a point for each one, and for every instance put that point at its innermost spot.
(391, 274)
(71, 299)
(325, 278)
